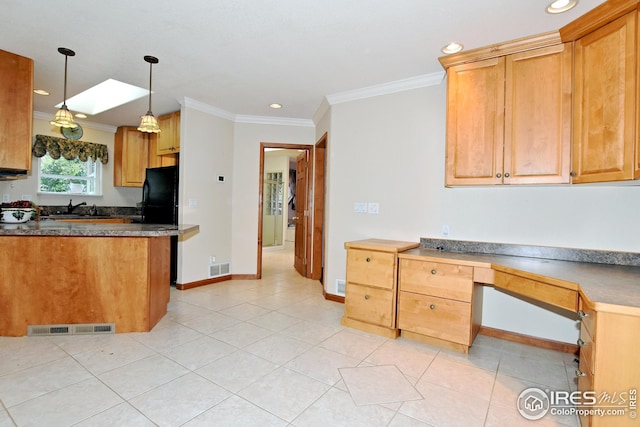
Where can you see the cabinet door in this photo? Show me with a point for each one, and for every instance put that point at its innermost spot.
(131, 157)
(605, 95)
(475, 123)
(537, 142)
(156, 161)
(169, 136)
(16, 110)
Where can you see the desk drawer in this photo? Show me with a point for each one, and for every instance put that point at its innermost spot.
(435, 317)
(551, 294)
(371, 268)
(436, 279)
(371, 305)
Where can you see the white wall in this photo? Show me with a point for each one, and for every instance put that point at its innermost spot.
(111, 196)
(391, 150)
(206, 151)
(246, 182)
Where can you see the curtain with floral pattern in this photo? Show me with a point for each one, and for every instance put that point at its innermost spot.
(69, 149)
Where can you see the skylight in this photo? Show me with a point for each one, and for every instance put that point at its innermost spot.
(104, 96)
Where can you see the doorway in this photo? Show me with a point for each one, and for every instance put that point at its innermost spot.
(305, 228)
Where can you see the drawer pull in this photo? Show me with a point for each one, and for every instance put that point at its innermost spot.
(366, 297)
(580, 342)
(434, 271)
(582, 314)
(432, 306)
(579, 373)
(368, 260)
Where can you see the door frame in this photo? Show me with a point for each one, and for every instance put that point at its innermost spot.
(319, 195)
(310, 193)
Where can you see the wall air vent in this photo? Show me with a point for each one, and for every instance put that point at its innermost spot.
(341, 287)
(79, 329)
(219, 269)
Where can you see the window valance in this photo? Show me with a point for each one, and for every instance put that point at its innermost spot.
(69, 149)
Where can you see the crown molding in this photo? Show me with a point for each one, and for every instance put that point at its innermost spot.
(206, 108)
(265, 120)
(87, 125)
(387, 88)
(322, 110)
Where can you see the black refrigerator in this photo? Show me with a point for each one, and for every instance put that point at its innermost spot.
(160, 205)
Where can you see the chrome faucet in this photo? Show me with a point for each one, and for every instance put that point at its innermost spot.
(71, 207)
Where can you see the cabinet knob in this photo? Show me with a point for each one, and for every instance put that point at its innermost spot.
(366, 297)
(498, 175)
(368, 260)
(580, 342)
(574, 174)
(582, 314)
(434, 271)
(579, 373)
(507, 175)
(432, 306)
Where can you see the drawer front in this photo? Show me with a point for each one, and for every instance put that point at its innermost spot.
(436, 279)
(435, 317)
(587, 355)
(371, 305)
(585, 383)
(587, 316)
(371, 268)
(551, 294)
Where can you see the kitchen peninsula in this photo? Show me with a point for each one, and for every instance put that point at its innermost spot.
(59, 273)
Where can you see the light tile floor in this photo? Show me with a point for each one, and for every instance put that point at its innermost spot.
(267, 352)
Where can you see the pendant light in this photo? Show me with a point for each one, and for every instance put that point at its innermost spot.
(63, 117)
(149, 122)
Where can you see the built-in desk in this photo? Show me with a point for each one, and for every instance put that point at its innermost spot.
(439, 301)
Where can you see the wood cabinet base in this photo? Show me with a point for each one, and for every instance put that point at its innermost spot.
(371, 328)
(75, 280)
(449, 345)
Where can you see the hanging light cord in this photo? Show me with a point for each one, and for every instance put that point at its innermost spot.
(150, 71)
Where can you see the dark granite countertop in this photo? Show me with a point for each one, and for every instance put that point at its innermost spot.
(609, 286)
(59, 228)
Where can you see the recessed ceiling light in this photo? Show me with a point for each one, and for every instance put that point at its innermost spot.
(105, 96)
(275, 105)
(559, 6)
(41, 92)
(452, 47)
(80, 116)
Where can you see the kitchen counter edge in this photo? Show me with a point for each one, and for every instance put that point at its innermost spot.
(59, 228)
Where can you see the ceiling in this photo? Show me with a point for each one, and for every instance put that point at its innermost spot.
(238, 56)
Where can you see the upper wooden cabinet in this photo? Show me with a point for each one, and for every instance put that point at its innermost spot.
(131, 157)
(16, 111)
(156, 161)
(169, 136)
(509, 113)
(606, 144)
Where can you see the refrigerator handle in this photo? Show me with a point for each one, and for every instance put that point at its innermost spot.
(145, 195)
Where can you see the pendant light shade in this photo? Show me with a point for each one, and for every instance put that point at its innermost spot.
(63, 117)
(149, 122)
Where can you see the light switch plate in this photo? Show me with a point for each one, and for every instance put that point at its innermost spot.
(6, 198)
(193, 203)
(360, 207)
(373, 208)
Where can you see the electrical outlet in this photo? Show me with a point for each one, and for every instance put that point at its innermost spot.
(373, 208)
(6, 198)
(445, 230)
(193, 203)
(212, 259)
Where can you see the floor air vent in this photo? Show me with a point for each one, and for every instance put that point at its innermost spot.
(221, 269)
(79, 329)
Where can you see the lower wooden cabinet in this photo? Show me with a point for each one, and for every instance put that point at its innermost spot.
(371, 288)
(609, 365)
(438, 303)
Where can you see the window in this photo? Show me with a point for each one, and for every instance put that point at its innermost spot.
(62, 176)
(274, 193)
